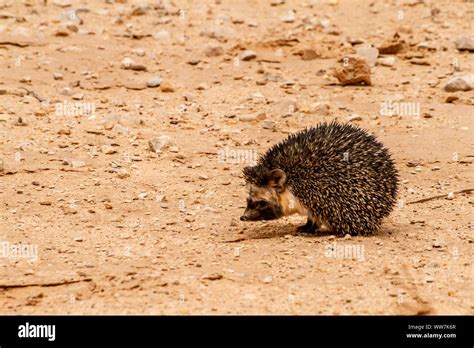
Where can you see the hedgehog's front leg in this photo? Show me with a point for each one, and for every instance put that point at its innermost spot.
(311, 227)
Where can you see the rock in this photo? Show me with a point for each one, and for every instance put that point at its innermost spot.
(159, 144)
(46, 202)
(451, 98)
(142, 195)
(269, 124)
(268, 279)
(189, 219)
(212, 50)
(354, 41)
(419, 62)
(139, 11)
(220, 33)
(127, 63)
(138, 67)
(354, 117)
(320, 108)
(248, 118)
(308, 54)
(58, 76)
(119, 129)
(286, 107)
(162, 35)
(460, 83)
(108, 150)
(72, 27)
(248, 55)
(108, 205)
(387, 61)
(202, 86)
(61, 31)
(213, 276)
(450, 196)
(20, 122)
(155, 81)
(61, 3)
(65, 131)
(428, 45)
(66, 91)
(2, 165)
(276, 2)
(429, 279)
(289, 17)
(77, 164)
(347, 236)
(161, 198)
(369, 53)
(203, 177)
(393, 46)
(139, 52)
(465, 43)
(26, 79)
(78, 96)
(353, 71)
(331, 30)
(167, 87)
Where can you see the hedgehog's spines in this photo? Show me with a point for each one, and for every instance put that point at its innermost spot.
(339, 172)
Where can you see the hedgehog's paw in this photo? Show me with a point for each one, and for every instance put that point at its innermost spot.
(310, 227)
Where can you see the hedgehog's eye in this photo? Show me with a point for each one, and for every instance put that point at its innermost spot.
(262, 204)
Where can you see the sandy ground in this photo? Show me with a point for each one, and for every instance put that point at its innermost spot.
(93, 222)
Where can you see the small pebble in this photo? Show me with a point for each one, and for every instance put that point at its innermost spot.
(127, 63)
(268, 279)
(108, 150)
(354, 117)
(162, 35)
(123, 173)
(387, 61)
(465, 43)
(154, 82)
(77, 164)
(167, 87)
(248, 55)
(58, 76)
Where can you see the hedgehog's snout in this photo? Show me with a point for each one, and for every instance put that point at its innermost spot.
(250, 215)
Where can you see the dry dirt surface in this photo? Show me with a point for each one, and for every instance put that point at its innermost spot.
(125, 126)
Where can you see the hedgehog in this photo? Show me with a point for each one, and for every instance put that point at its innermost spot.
(338, 175)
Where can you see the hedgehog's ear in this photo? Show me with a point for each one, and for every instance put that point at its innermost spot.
(277, 179)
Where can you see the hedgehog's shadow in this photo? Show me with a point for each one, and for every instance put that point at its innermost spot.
(278, 231)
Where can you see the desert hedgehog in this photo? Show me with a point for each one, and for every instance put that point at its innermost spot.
(338, 175)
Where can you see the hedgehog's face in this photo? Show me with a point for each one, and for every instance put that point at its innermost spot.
(263, 202)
